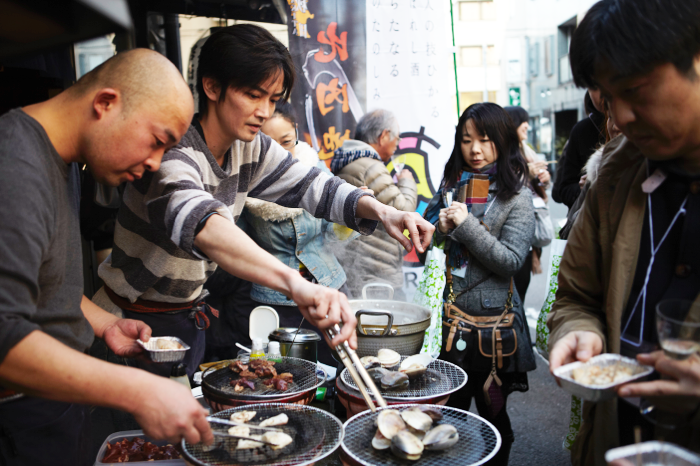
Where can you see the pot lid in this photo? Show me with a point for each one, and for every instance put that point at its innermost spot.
(287, 334)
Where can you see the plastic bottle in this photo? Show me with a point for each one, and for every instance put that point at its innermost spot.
(179, 374)
(273, 352)
(257, 351)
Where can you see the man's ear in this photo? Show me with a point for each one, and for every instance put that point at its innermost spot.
(105, 100)
(384, 137)
(211, 88)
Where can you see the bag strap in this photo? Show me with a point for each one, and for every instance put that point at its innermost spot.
(493, 376)
(451, 297)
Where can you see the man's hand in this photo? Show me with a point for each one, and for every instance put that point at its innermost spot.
(122, 334)
(445, 224)
(575, 346)
(680, 392)
(325, 307)
(169, 411)
(457, 213)
(406, 173)
(419, 230)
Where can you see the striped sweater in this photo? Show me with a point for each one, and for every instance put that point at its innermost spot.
(154, 257)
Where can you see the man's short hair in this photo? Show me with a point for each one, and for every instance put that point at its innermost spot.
(243, 56)
(371, 126)
(635, 36)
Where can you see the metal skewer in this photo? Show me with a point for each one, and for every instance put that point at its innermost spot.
(348, 356)
(216, 420)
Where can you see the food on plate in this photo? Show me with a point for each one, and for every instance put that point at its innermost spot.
(243, 416)
(279, 420)
(277, 382)
(260, 363)
(263, 372)
(138, 449)
(238, 366)
(240, 384)
(246, 374)
(168, 345)
(596, 375)
(441, 437)
(389, 359)
(280, 439)
(408, 433)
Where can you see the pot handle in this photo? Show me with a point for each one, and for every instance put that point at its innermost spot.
(361, 329)
(377, 285)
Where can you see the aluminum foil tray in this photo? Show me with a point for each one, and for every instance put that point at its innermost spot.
(164, 355)
(598, 393)
(653, 453)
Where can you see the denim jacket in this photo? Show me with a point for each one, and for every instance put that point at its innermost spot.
(294, 236)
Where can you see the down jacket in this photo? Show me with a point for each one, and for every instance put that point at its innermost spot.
(378, 257)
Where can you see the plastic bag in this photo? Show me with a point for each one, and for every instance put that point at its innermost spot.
(429, 294)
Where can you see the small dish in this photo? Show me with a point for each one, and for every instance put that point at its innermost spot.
(653, 453)
(165, 349)
(596, 393)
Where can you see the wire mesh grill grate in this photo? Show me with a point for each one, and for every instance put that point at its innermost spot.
(478, 440)
(442, 378)
(304, 373)
(316, 435)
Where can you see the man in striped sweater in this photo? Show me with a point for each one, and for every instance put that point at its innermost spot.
(176, 225)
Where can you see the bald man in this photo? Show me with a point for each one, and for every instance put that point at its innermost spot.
(118, 120)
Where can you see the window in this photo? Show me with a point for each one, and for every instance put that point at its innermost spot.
(549, 55)
(468, 98)
(534, 59)
(471, 56)
(491, 56)
(477, 10)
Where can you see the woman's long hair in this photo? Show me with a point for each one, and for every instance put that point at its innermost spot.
(491, 120)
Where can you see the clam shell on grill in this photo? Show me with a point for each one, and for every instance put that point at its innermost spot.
(434, 413)
(250, 444)
(379, 442)
(414, 370)
(418, 433)
(417, 419)
(388, 358)
(441, 437)
(243, 416)
(406, 446)
(278, 420)
(394, 380)
(280, 439)
(370, 362)
(389, 423)
(377, 373)
(422, 359)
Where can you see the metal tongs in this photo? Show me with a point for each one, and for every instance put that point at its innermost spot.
(241, 437)
(348, 356)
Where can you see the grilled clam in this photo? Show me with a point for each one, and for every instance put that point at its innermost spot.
(434, 413)
(394, 380)
(370, 362)
(241, 431)
(377, 373)
(379, 442)
(417, 419)
(278, 420)
(280, 439)
(389, 359)
(250, 444)
(389, 423)
(414, 370)
(406, 446)
(243, 416)
(441, 437)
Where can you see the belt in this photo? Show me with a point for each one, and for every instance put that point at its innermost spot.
(197, 307)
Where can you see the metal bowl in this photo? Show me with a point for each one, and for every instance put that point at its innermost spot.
(164, 355)
(596, 393)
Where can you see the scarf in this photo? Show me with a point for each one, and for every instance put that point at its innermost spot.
(342, 158)
(473, 187)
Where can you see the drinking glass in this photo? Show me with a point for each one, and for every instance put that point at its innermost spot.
(678, 327)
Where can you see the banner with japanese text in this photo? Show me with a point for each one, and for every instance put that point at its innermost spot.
(356, 56)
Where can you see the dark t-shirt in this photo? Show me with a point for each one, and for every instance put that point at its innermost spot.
(41, 276)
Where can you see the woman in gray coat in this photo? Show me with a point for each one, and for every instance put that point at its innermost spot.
(487, 238)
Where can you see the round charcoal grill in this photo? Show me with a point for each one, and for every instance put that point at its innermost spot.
(316, 435)
(478, 441)
(217, 383)
(441, 378)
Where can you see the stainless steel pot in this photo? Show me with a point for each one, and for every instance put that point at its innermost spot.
(385, 323)
(305, 344)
